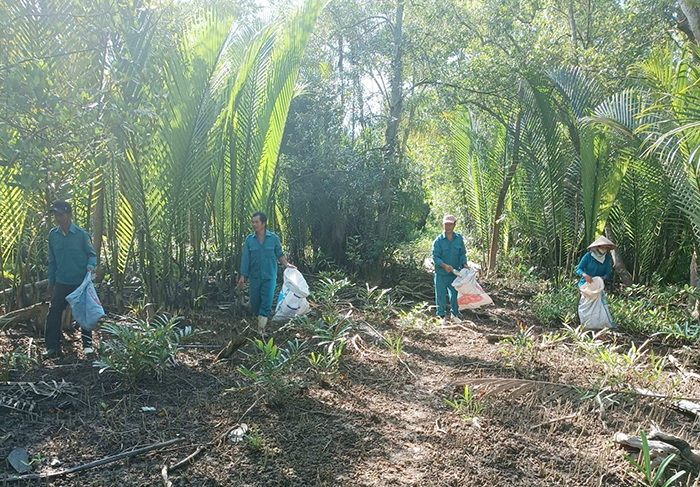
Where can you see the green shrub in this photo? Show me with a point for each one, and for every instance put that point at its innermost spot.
(12, 360)
(466, 404)
(556, 305)
(272, 368)
(142, 348)
(326, 362)
(329, 289)
(418, 318)
(651, 309)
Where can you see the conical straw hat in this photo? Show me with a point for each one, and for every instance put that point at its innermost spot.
(602, 242)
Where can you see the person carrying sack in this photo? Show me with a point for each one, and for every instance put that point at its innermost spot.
(594, 269)
(449, 254)
(71, 256)
(262, 251)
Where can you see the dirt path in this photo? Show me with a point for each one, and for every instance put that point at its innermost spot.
(381, 422)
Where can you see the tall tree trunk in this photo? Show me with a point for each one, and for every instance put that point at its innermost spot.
(691, 10)
(391, 136)
(515, 160)
(341, 48)
(396, 81)
(572, 26)
(618, 262)
(98, 219)
(694, 303)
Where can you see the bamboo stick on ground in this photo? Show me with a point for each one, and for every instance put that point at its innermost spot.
(87, 466)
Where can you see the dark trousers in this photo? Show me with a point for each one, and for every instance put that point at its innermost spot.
(53, 319)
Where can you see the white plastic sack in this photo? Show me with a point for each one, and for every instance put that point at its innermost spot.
(85, 304)
(470, 295)
(292, 300)
(592, 311)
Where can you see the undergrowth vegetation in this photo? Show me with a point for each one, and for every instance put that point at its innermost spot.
(142, 348)
(639, 309)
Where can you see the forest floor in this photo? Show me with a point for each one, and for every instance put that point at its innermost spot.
(383, 420)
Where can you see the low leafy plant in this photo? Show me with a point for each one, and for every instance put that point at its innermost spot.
(521, 346)
(11, 360)
(301, 323)
(418, 318)
(330, 330)
(644, 468)
(652, 309)
(326, 291)
(377, 302)
(467, 405)
(587, 341)
(255, 440)
(142, 348)
(326, 363)
(553, 338)
(394, 343)
(556, 305)
(272, 368)
(686, 331)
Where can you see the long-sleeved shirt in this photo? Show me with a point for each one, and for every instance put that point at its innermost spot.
(259, 260)
(70, 255)
(593, 268)
(451, 252)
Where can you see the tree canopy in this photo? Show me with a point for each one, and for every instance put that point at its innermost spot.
(353, 125)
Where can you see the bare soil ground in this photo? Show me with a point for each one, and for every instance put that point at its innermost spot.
(381, 422)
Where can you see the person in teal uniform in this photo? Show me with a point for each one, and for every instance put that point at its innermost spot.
(449, 254)
(70, 256)
(597, 262)
(262, 251)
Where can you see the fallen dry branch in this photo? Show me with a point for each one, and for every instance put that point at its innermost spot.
(555, 420)
(35, 313)
(514, 388)
(87, 466)
(553, 391)
(17, 404)
(234, 344)
(656, 448)
(164, 476)
(42, 388)
(683, 446)
(201, 448)
(685, 406)
(188, 458)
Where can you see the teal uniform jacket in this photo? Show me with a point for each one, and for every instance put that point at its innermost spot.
(70, 255)
(593, 268)
(450, 252)
(259, 261)
(259, 264)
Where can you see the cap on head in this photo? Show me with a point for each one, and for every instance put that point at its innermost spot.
(449, 219)
(60, 206)
(602, 242)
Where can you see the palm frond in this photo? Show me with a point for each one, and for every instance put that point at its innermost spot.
(581, 92)
(513, 389)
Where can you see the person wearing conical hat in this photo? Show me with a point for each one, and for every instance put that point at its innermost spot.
(597, 262)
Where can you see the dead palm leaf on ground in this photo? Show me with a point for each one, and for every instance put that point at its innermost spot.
(553, 391)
